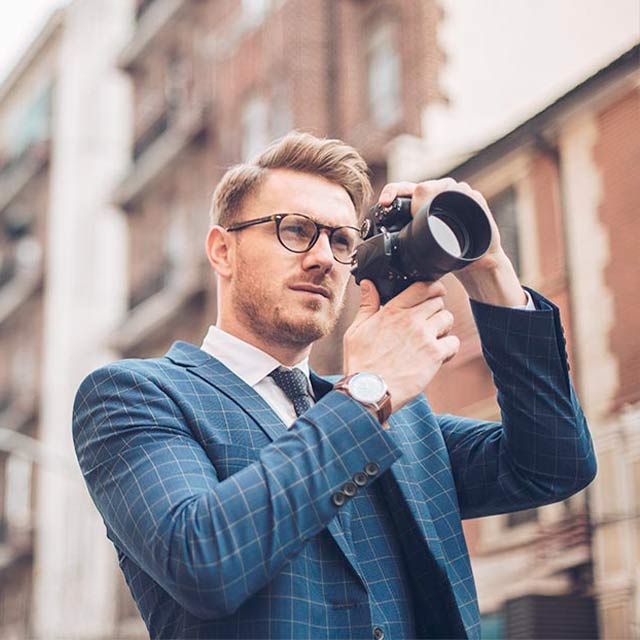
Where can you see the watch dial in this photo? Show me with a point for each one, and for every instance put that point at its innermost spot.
(367, 387)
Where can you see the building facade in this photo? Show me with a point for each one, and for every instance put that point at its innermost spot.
(564, 188)
(214, 83)
(64, 136)
(152, 101)
(26, 101)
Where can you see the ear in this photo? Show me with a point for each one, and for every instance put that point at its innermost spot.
(220, 251)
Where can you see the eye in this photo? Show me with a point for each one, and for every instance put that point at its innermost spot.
(297, 230)
(341, 239)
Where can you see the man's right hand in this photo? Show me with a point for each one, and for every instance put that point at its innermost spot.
(406, 341)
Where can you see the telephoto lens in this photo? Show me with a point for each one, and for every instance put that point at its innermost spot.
(447, 233)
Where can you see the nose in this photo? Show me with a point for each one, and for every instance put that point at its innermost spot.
(319, 257)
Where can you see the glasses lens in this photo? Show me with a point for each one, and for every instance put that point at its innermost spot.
(297, 233)
(343, 243)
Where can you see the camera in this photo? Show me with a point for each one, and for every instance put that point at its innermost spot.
(447, 234)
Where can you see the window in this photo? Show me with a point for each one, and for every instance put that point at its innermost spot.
(384, 74)
(504, 209)
(281, 120)
(176, 82)
(176, 249)
(255, 126)
(18, 478)
(33, 123)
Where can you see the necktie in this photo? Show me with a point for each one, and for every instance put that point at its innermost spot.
(295, 386)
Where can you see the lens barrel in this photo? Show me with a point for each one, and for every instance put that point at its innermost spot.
(448, 233)
(426, 251)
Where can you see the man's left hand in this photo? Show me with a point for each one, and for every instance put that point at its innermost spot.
(491, 279)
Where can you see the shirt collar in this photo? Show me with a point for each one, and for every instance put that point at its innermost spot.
(249, 363)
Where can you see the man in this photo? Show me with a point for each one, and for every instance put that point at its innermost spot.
(249, 498)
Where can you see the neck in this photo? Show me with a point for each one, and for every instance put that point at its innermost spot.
(286, 354)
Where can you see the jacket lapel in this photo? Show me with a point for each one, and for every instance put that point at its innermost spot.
(216, 374)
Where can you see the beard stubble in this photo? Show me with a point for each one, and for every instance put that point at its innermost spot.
(272, 321)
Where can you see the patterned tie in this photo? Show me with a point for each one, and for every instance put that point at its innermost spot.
(295, 386)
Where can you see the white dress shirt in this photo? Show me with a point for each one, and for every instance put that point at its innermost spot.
(253, 366)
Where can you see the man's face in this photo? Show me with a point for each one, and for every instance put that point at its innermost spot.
(269, 287)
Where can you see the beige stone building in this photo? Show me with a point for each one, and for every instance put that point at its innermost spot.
(26, 100)
(64, 136)
(564, 187)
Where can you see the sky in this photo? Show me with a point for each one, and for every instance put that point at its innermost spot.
(20, 22)
(506, 59)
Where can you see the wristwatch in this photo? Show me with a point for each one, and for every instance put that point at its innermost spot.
(370, 390)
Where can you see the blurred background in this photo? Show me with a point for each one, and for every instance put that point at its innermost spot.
(117, 117)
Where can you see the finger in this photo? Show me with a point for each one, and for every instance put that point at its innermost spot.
(369, 296)
(449, 345)
(429, 188)
(425, 192)
(395, 189)
(369, 302)
(421, 313)
(416, 294)
(440, 323)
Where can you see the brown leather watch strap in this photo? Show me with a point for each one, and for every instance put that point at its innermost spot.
(382, 408)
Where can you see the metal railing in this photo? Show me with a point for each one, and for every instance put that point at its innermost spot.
(158, 127)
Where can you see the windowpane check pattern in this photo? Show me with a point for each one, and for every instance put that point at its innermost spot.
(225, 522)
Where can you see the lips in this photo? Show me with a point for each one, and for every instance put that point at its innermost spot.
(312, 288)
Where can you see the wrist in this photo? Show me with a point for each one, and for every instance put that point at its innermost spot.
(496, 284)
(370, 409)
(370, 390)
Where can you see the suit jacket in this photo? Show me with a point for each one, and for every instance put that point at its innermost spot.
(220, 515)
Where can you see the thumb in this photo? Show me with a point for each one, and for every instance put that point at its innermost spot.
(369, 300)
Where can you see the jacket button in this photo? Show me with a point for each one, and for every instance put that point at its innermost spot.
(349, 489)
(361, 479)
(371, 469)
(338, 498)
(378, 633)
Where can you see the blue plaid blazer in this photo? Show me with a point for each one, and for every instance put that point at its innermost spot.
(223, 520)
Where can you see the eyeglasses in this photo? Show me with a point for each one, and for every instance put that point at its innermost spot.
(298, 233)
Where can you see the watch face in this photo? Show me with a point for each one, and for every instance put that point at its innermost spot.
(367, 387)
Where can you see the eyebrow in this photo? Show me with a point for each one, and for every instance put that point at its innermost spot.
(357, 224)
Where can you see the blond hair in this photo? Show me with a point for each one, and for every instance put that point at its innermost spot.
(332, 159)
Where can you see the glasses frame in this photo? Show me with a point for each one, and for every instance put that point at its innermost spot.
(279, 217)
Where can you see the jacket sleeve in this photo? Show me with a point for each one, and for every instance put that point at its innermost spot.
(212, 544)
(542, 451)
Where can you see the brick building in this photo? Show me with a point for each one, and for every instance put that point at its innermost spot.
(213, 84)
(564, 187)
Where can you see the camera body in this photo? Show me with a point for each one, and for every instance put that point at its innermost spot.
(448, 233)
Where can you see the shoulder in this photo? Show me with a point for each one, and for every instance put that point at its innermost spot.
(161, 372)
